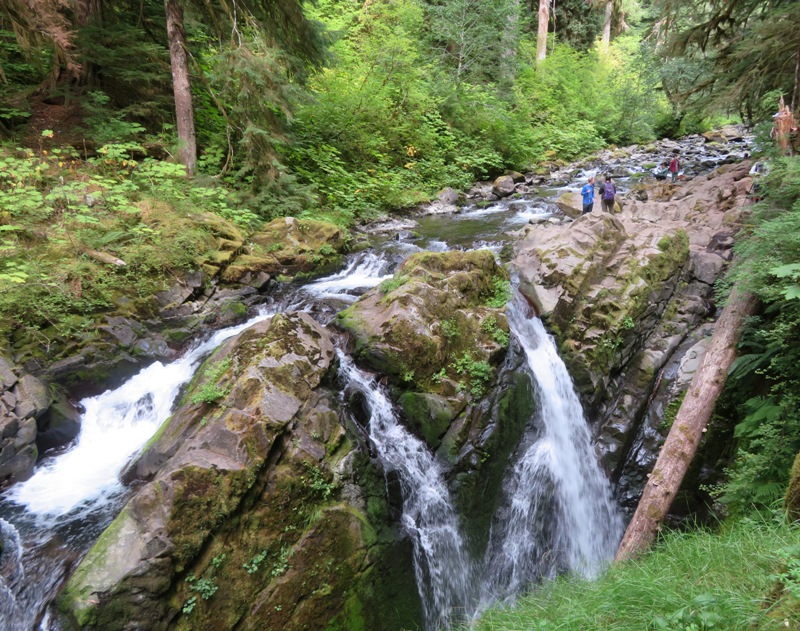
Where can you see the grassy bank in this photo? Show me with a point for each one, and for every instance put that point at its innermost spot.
(694, 581)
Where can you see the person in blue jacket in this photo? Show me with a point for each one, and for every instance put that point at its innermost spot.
(588, 196)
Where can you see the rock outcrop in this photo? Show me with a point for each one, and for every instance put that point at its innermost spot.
(434, 331)
(34, 416)
(622, 292)
(438, 330)
(246, 515)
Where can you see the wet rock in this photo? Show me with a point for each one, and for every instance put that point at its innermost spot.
(450, 196)
(431, 328)
(244, 496)
(571, 204)
(503, 186)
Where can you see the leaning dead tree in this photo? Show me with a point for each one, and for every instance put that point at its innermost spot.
(687, 430)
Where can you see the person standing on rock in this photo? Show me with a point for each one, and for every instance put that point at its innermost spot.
(607, 194)
(674, 167)
(588, 196)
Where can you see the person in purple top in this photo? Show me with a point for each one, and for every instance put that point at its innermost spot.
(588, 196)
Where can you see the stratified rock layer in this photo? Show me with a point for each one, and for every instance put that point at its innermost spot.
(622, 292)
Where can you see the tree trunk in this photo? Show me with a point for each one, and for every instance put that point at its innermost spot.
(88, 12)
(796, 92)
(687, 430)
(181, 88)
(604, 43)
(541, 36)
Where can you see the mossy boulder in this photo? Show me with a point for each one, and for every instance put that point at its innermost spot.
(239, 520)
(438, 329)
(288, 248)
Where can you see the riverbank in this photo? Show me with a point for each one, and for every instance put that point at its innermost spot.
(723, 579)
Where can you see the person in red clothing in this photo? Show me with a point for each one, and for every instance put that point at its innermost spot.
(674, 167)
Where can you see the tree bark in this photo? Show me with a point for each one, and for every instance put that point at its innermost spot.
(541, 36)
(687, 430)
(181, 88)
(606, 40)
(88, 12)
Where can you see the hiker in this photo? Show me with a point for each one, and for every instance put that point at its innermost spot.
(607, 193)
(660, 172)
(674, 167)
(588, 196)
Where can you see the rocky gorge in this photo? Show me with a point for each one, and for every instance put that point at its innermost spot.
(261, 501)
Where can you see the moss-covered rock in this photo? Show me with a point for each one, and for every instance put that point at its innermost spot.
(289, 248)
(437, 328)
(252, 510)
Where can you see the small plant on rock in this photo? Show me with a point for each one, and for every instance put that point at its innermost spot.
(211, 391)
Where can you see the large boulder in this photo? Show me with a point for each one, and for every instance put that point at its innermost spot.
(437, 328)
(288, 248)
(240, 519)
(571, 204)
(504, 186)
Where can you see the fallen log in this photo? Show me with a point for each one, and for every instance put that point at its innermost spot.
(687, 429)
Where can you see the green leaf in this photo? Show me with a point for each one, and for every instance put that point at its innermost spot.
(792, 292)
(786, 271)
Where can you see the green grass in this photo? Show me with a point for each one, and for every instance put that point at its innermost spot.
(691, 581)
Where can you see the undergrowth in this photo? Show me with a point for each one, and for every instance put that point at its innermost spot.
(692, 581)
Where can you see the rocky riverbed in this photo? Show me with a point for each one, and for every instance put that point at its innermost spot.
(263, 491)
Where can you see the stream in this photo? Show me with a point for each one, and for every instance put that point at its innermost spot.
(557, 512)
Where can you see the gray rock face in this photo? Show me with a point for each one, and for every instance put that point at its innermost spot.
(622, 292)
(242, 496)
(23, 400)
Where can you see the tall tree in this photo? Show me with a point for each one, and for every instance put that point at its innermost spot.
(181, 85)
(541, 35)
(37, 23)
(754, 46)
(687, 429)
(281, 21)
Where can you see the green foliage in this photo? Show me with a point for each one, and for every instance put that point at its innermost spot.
(691, 581)
(390, 284)
(489, 325)
(211, 391)
(501, 293)
(765, 380)
(480, 373)
(316, 481)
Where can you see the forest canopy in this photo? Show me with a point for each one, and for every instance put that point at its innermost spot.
(353, 108)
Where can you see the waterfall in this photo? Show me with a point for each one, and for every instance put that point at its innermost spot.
(442, 566)
(114, 426)
(559, 513)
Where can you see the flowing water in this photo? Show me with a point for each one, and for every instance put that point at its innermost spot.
(557, 514)
(443, 569)
(47, 521)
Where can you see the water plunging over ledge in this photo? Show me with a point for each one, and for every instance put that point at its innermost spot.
(443, 569)
(559, 514)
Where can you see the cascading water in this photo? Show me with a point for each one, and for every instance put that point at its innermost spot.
(47, 516)
(443, 569)
(560, 515)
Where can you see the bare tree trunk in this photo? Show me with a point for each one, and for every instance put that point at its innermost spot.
(181, 88)
(606, 40)
(796, 92)
(687, 430)
(541, 36)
